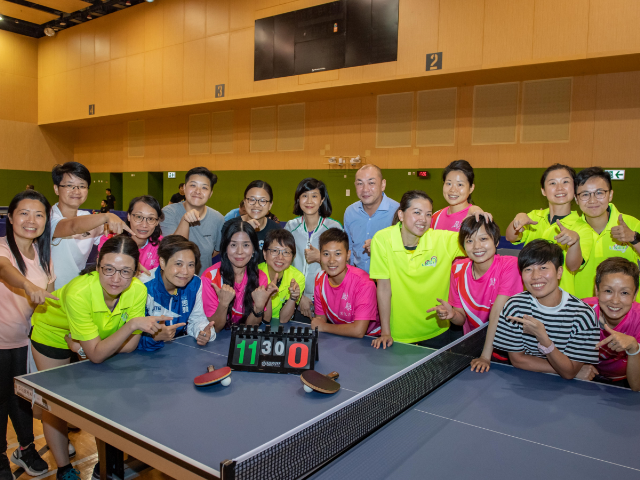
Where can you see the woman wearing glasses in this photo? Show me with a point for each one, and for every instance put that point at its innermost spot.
(279, 250)
(74, 232)
(558, 223)
(312, 203)
(144, 217)
(614, 234)
(258, 200)
(97, 315)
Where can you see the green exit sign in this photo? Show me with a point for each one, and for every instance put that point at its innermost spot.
(616, 174)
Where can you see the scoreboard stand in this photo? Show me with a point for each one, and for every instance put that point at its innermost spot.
(277, 351)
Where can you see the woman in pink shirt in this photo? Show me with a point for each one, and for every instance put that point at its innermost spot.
(26, 279)
(234, 290)
(480, 284)
(616, 288)
(457, 186)
(144, 217)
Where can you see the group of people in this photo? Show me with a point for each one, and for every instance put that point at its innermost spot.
(395, 271)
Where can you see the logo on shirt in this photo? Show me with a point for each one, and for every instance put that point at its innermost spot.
(124, 317)
(347, 307)
(457, 225)
(345, 295)
(185, 305)
(432, 262)
(492, 282)
(619, 248)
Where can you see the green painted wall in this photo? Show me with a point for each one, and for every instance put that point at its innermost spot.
(116, 188)
(134, 184)
(14, 181)
(155, 185)
(502, 191)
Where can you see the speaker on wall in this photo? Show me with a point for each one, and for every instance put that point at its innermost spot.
(344, 33)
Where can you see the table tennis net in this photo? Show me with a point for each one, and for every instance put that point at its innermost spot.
(304, 450)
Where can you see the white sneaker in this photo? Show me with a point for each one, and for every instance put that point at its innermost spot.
(72, 450)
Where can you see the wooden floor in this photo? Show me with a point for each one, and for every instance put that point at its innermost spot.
(86, 455)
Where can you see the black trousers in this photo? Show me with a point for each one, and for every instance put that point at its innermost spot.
(13, 362)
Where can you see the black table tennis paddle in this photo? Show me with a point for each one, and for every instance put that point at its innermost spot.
(319, 382)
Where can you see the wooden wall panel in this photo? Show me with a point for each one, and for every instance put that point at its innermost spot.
(508, 32)
(173, 22)
(118, 85)
(241, 69)
(217, 17)
(195, 19)
(460, 33)
(194, 71)
(172, 74)
(613, 26)
(103, 88)
(216, 63)
(153, 79)
(135, 82)
(561, 29)
(153, 26)
(136, 34)
(102, 38)
(418, 35)
(87, 44)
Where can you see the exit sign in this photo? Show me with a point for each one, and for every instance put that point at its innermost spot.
(616, 174)
(171, 174)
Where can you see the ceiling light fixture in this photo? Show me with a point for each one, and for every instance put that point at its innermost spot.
(127, 3)
(49, 32)
(89, 17)
(1, 18)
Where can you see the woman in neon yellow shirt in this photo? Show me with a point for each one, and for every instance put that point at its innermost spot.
(98, 314)
(412, 264)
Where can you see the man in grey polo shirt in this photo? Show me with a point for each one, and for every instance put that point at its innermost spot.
(372, 213)
(193, 219)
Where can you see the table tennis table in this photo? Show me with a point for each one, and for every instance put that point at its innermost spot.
(404, 412)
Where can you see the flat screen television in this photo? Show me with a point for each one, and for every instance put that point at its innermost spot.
(344, 33)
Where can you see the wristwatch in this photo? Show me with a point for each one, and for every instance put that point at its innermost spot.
(636, 239)
(546, 350)
(257, 315)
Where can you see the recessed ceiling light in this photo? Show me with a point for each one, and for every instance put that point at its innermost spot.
(49, 32)
(1, 18)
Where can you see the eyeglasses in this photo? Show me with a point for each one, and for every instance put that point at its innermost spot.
(599, 194)
(152, 221)
(75, 187)
(110, 272)
(262, 201)
(275, 252)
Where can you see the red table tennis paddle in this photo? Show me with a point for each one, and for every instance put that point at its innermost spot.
(313, 380)
(213, 375)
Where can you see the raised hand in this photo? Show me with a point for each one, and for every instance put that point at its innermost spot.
(618, 342)
(294, 290)
(622, 232)
(444, 310)
(566, 236)
(476, 211)
(225, 294)
(205, 335)
(587, 372)
(272, 288)
(115, 225)
(36, 294)
(261, 296)
(312, 254)
(192, 217)
(254, 223)
(480, 365)
(150, 325)
(520, 221)
(531, 326)
(167, 333)
(383, 340)
(366, 248)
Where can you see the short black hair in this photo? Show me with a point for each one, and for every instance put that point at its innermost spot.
(281, 236)
(260, 184)
(405, 202)
(172, 244)
(588, 173)
(181, 185)
(334, 235)
(108, 190)
(553, 168)
(205, 172)
(618, 265)
(307, 185)
(70, 168)
(539, 252)
(470, 226)
(459, 166)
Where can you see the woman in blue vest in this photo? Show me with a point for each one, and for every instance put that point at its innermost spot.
(176, 291)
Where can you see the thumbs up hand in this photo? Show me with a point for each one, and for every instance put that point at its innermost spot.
(566, 236)
(621, 232)
(312, 254)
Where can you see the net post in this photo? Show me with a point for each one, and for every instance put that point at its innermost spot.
(228, 470)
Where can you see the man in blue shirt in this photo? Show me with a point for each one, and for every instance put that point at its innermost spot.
(363, 219)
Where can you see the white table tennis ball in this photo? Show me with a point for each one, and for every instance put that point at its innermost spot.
(308, 389)
(226, 381)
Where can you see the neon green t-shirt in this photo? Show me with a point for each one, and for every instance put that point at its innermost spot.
(548, 231)
(604, 246)
(81, 310)
(417, 278)
(278, 301)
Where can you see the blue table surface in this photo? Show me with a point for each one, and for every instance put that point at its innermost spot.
(507, 423)
(152, 393)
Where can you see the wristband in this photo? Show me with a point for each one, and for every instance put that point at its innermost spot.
(634, 354)
(546, 350)
(257, 315)
(636, 239)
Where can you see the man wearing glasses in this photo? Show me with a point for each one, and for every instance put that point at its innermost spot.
(614, 234)
(74, 231)
(193, 219)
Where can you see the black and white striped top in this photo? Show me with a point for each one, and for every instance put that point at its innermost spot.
(571, 326)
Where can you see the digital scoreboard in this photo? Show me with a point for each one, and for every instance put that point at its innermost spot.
(255, 350)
